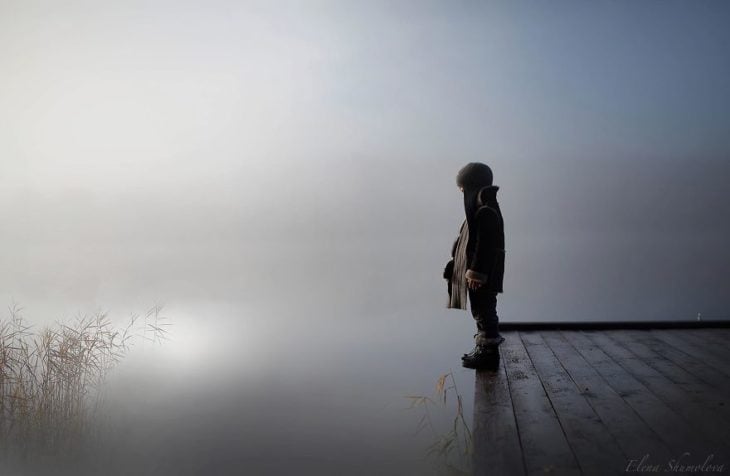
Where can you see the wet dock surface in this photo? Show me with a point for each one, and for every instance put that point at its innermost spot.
(605, 401)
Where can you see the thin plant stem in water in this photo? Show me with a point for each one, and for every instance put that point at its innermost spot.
(452, 450)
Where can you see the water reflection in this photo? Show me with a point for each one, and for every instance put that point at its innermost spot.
(210, 403)
(495, 432)
(457, 446)
(450, 451)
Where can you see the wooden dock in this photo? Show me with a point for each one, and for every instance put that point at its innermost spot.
(605, 400)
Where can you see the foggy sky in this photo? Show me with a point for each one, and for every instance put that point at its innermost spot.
(168, 149)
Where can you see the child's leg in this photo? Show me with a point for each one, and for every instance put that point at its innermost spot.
(484, 311)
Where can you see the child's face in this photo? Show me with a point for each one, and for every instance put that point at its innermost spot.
(461, 189)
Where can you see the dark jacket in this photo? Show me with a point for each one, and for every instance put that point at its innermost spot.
(485, 252)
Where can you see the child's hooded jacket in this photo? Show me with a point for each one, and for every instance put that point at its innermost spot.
(478, 253)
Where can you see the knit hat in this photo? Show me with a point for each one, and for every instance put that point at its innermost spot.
(474, 175)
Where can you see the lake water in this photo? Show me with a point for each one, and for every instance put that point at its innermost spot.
(270, 367)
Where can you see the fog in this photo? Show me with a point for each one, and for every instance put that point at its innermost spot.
(282, 178)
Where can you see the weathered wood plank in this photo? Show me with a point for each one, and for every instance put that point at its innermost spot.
(653, 351)
(545, 447)
(595, 449)
(689, 362)
(666, 423)
(716, 336)
(706, 338)
(619, 418)
(663, 388)
(497, 449)
(677, 339)
(721, 333)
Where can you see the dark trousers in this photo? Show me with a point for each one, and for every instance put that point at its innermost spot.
(484, 311)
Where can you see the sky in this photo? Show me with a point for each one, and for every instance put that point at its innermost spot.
(322, 125)
(281, 177)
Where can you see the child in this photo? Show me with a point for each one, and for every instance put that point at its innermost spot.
(477, 265)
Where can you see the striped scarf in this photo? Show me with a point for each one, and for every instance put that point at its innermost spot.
(457, 298)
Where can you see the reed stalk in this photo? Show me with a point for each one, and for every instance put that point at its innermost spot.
(51, 378)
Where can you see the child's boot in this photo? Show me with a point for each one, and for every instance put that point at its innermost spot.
(487, 344)
(481, 357)
(484, 352)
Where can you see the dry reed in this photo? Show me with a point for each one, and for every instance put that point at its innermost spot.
(451, 451)
(51, 378)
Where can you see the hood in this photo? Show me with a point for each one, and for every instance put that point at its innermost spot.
(487, 195)
(476, 198)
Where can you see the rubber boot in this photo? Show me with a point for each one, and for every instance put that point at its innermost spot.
(483, 357)
(473, 351)
(484, 344)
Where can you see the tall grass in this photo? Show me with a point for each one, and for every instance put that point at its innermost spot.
(51, 378)
(450, 451)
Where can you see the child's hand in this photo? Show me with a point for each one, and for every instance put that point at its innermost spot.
(473, 284)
